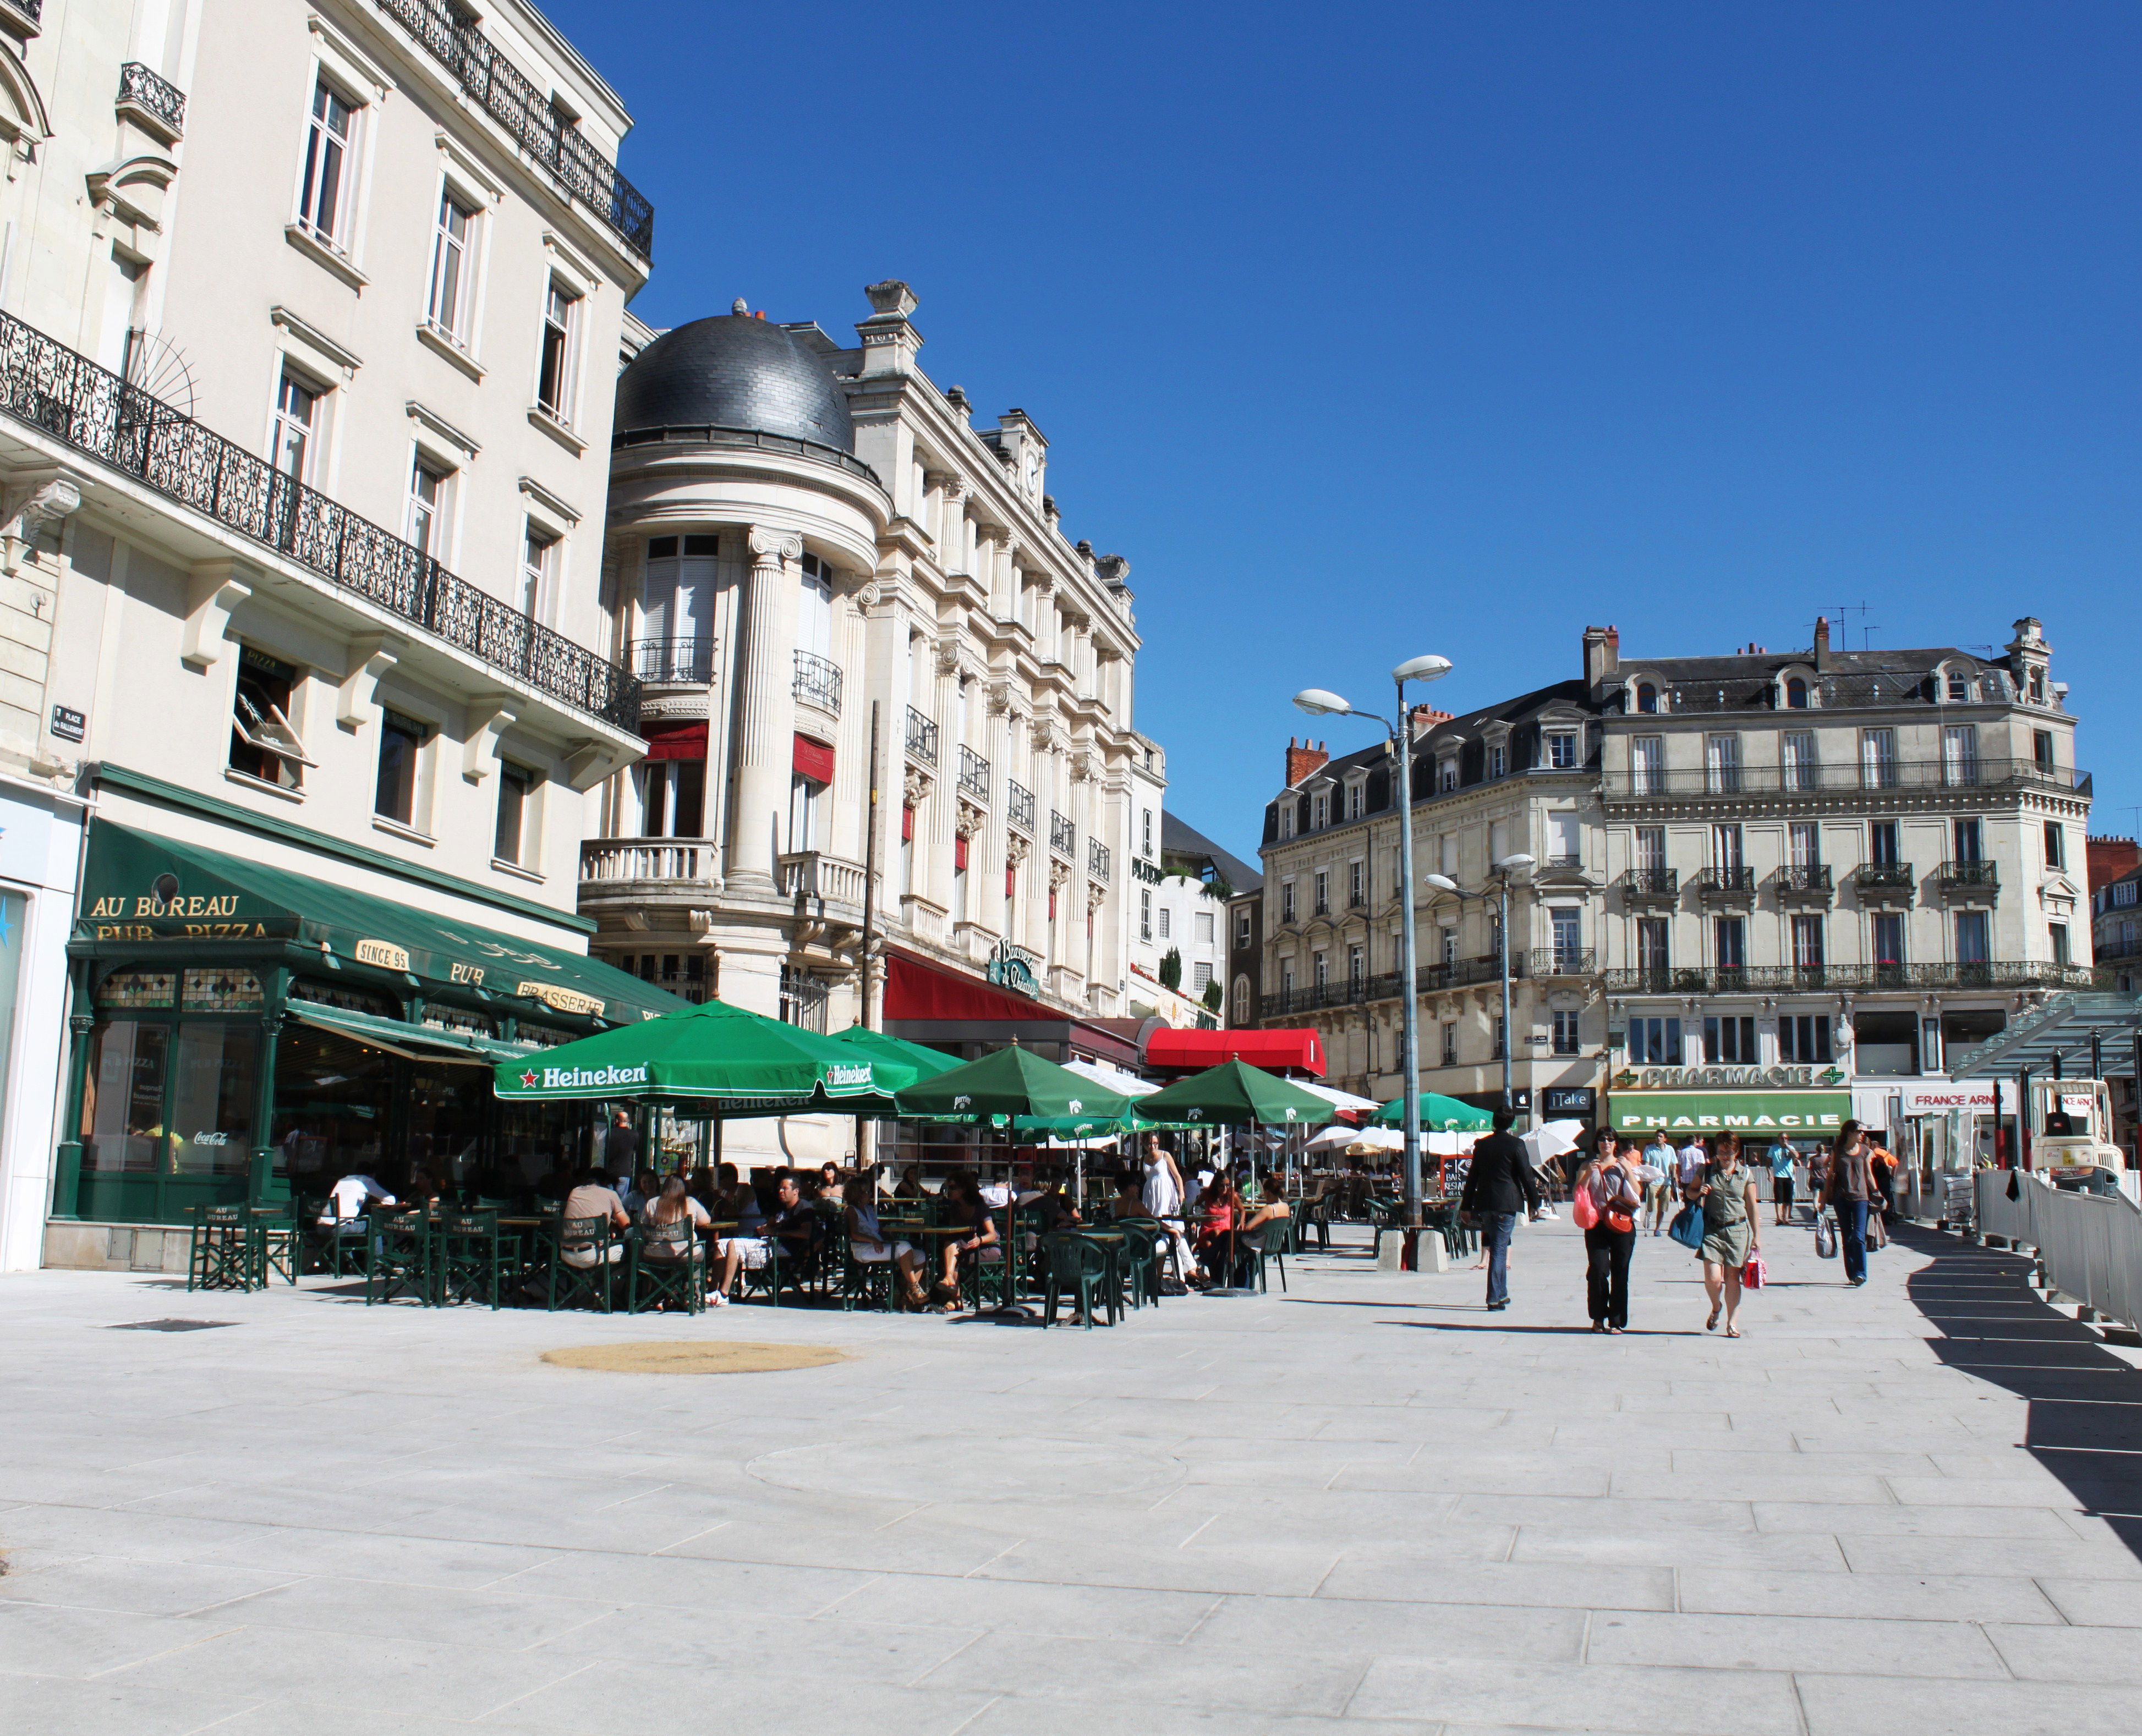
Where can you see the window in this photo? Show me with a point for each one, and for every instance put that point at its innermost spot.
(430, 491)
(1356, 800)
(1730, 1042)
(1882, 845)
(1499, 759)
(447, 308)
(1655, 1043)
(323, 196)
(1878, 758)
(1286, 976)
(1796, 695)
(2037, 687)
(1167, 916)
(1807, 943)
(1356, 966)
(1888, 937)
(1561, 752)
(1450, 1045)
(1974, 939)
(1321, 969)
(1731, 937)
(297, 406)
(1566, 923)
(1804, 1037)
(554, 382)
(1966, 836)
(1145, 914)
(1725, 847)
(401, 747)
(539, 560)
(515, 785)
(1960, 684)
(677, 607)
(2056, 850)
(1796, 756)
(1449, 945)
(1357, 884)
(1566, 848)
(1286, 900)
(1202, 924)
(2041, 749)
(1960, 753)
(1286, 819)
(1721, 762)
(673, 798)
(1564, 1033)
(1319, 811)
(803, 794)
(1446, 778)
(1647, 759)
(1145, 847)
(1652, 943)
(1498, 841)
(1201, 975)
(1650, 848)
(1241, 929)
(1647, 697)
(1323, 893)
(2058, 933)
(1803, 839)
(263, 744)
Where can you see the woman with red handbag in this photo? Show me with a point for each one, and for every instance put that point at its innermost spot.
(1732, 1230)
(1606, 1203)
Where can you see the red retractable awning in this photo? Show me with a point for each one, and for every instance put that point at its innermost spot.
(677, 741)
(814, 760)
(915, 991)
(1275, 1051)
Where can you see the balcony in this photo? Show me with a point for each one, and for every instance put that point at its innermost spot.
(1559, 869)
(1725, 885)
(1352, 991)
(818, 682)
(1885, 886)
(612, 859)
(672, 661)
(1968, 880)
(973, 774)
(1097, 859)
(921, 736)
(1807, 884)
(1559, 961)
(67, 396)
(822, 880)
(1063, 834)
(1647, 888)
(1019, 805)
(1700, 783)
(25, 17)
(152, 102)
(551, 141)
(1833, 979)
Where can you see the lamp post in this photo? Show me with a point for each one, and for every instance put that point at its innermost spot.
(1504, 869)
(1318, 703)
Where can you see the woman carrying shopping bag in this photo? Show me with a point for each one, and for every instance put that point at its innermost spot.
(1853, 1189)
(1732, 1230)
(1606, 1203)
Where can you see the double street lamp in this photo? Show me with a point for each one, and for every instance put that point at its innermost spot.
(1318, 704)
(1509, 867)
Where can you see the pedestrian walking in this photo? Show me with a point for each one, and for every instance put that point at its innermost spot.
(1659, 1170)
(1781, 1180)
(1688, 1167)
(1498, 1185)
(1732, 1233)
(1610, 1183)
(1851, 1191)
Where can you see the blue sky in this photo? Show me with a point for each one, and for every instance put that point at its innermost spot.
(1363, 331)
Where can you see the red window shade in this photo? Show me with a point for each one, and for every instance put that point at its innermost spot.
(907, 822)
(1011, 882)
(960, 855)
(814, 760)
(1052, 904)
(677, 741)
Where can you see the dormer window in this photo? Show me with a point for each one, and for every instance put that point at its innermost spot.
(1319, 811)
(1647, 697)
(1286, 818)
(1356, 800)
(1561, 752)
(1446, 775)
(1796, 695)
(1961, 686)
(2037, 687)
(1499, 759)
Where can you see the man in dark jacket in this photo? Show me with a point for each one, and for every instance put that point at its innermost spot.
(1499, 1185)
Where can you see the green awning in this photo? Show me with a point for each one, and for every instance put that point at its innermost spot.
(226, 898)
(1766, 1112)
(419, 1042)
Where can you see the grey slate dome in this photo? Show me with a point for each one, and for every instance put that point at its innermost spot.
(733, 371)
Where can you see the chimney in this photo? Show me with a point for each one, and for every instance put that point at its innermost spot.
(1425, 717)
(1822, 644)
(1602, 654)
(1302, 760)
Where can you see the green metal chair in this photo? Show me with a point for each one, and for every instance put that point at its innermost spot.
(1141, 1256)
(222, 1254)
(667, 1266)
(398, 1254)
(875, 1281)
(470, 1264)
(278, 1240)
(591, 1269)
(1078, 1268)
(1271, 1247)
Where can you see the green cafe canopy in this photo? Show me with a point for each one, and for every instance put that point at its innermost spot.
(724, 1061)
(1236, 1094)
(927, 1062)
(1013, 1081)
(1438, 1114)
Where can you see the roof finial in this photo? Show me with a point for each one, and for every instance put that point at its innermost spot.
(739, 306)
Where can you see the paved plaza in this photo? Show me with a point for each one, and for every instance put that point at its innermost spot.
(1366, 1504)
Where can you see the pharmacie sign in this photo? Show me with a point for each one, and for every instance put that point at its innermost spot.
(1738, 1111)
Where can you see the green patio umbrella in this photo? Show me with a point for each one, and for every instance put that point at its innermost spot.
(1438, 1114)
(1236, 1094)
(1013, 1081)
(927, 1062)
(719, 1058)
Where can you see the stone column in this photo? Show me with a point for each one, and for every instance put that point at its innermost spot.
(765, 713)
(952, 537)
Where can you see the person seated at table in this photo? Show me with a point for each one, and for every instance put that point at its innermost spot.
(1053, 1209)
(971, 1213)
(423, 1190)
(868, 1245)
(1129, 1201)
(910, 1184)
(594, 1198)
(1219, 1203)
(795, 1221)
(672, 1204)
(638, 1191)
(829, 1179)
(347, 1198)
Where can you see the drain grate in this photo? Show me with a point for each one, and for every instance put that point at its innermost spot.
(169, 1325)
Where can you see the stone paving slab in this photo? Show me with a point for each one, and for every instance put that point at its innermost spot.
(1365, 1504)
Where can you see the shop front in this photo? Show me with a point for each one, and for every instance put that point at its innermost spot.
(247, 1033)
(1800, 1104)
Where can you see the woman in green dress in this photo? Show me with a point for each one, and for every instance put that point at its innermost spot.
(1732, 1232)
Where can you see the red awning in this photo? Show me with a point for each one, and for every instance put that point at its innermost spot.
(1275, 1051)
(677, 741)
(814, 760)
(915, 991)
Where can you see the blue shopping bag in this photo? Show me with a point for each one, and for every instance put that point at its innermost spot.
(1687, 1228)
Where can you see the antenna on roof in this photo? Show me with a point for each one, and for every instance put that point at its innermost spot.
(1866, 632)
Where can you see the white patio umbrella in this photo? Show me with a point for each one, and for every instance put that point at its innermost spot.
(1345, 1100)
(1551, 1140)
(1123, 1084)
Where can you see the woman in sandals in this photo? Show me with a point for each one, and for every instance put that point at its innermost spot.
(1610, 1180)
(1732, 1232)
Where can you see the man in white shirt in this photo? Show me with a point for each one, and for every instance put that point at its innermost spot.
(347, 1198)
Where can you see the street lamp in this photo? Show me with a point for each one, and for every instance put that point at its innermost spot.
(1320, 702)
(1509, 865)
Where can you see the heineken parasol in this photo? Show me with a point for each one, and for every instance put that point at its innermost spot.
(1236, 1094)
(927, 1064)
(1438, 1114)
(1013, 1081)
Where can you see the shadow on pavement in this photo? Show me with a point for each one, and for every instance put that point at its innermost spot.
(2085, 1416)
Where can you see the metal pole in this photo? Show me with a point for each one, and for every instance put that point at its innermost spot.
(1507, 1044)
(1409, 987)
(2022, 1117)
(866, 1143)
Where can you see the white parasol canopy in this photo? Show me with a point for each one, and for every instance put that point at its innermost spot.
(1345, 1100)
(1123, 1084)
(1551, 1139)
(1340, 1137)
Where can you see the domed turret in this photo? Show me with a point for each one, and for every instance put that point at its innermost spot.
(734, 371)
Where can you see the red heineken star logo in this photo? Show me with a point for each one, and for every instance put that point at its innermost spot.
(528, 1080)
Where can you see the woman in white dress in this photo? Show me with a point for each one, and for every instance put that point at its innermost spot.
(1162, 1193)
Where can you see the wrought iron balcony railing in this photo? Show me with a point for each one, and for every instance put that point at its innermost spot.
(1641, 884)
(155, 96)
(1807, 879)
(1724, 883)
(51, 387)
(1019, 805)
(818, 680)
(1692, 782)
(713, 434)
(1558, 961)
(1968, 874)
(1828, 979)
(1831, 692)
(689, 661)
(921, 736)
(973, 774)
(1063, 834)
(1389, 985)
(1098, 858)
(552, 140)
(1892, 875)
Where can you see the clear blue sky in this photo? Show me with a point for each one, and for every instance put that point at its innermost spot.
(1369, 330)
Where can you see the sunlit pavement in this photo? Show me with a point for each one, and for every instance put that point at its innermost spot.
(1367, 1502)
